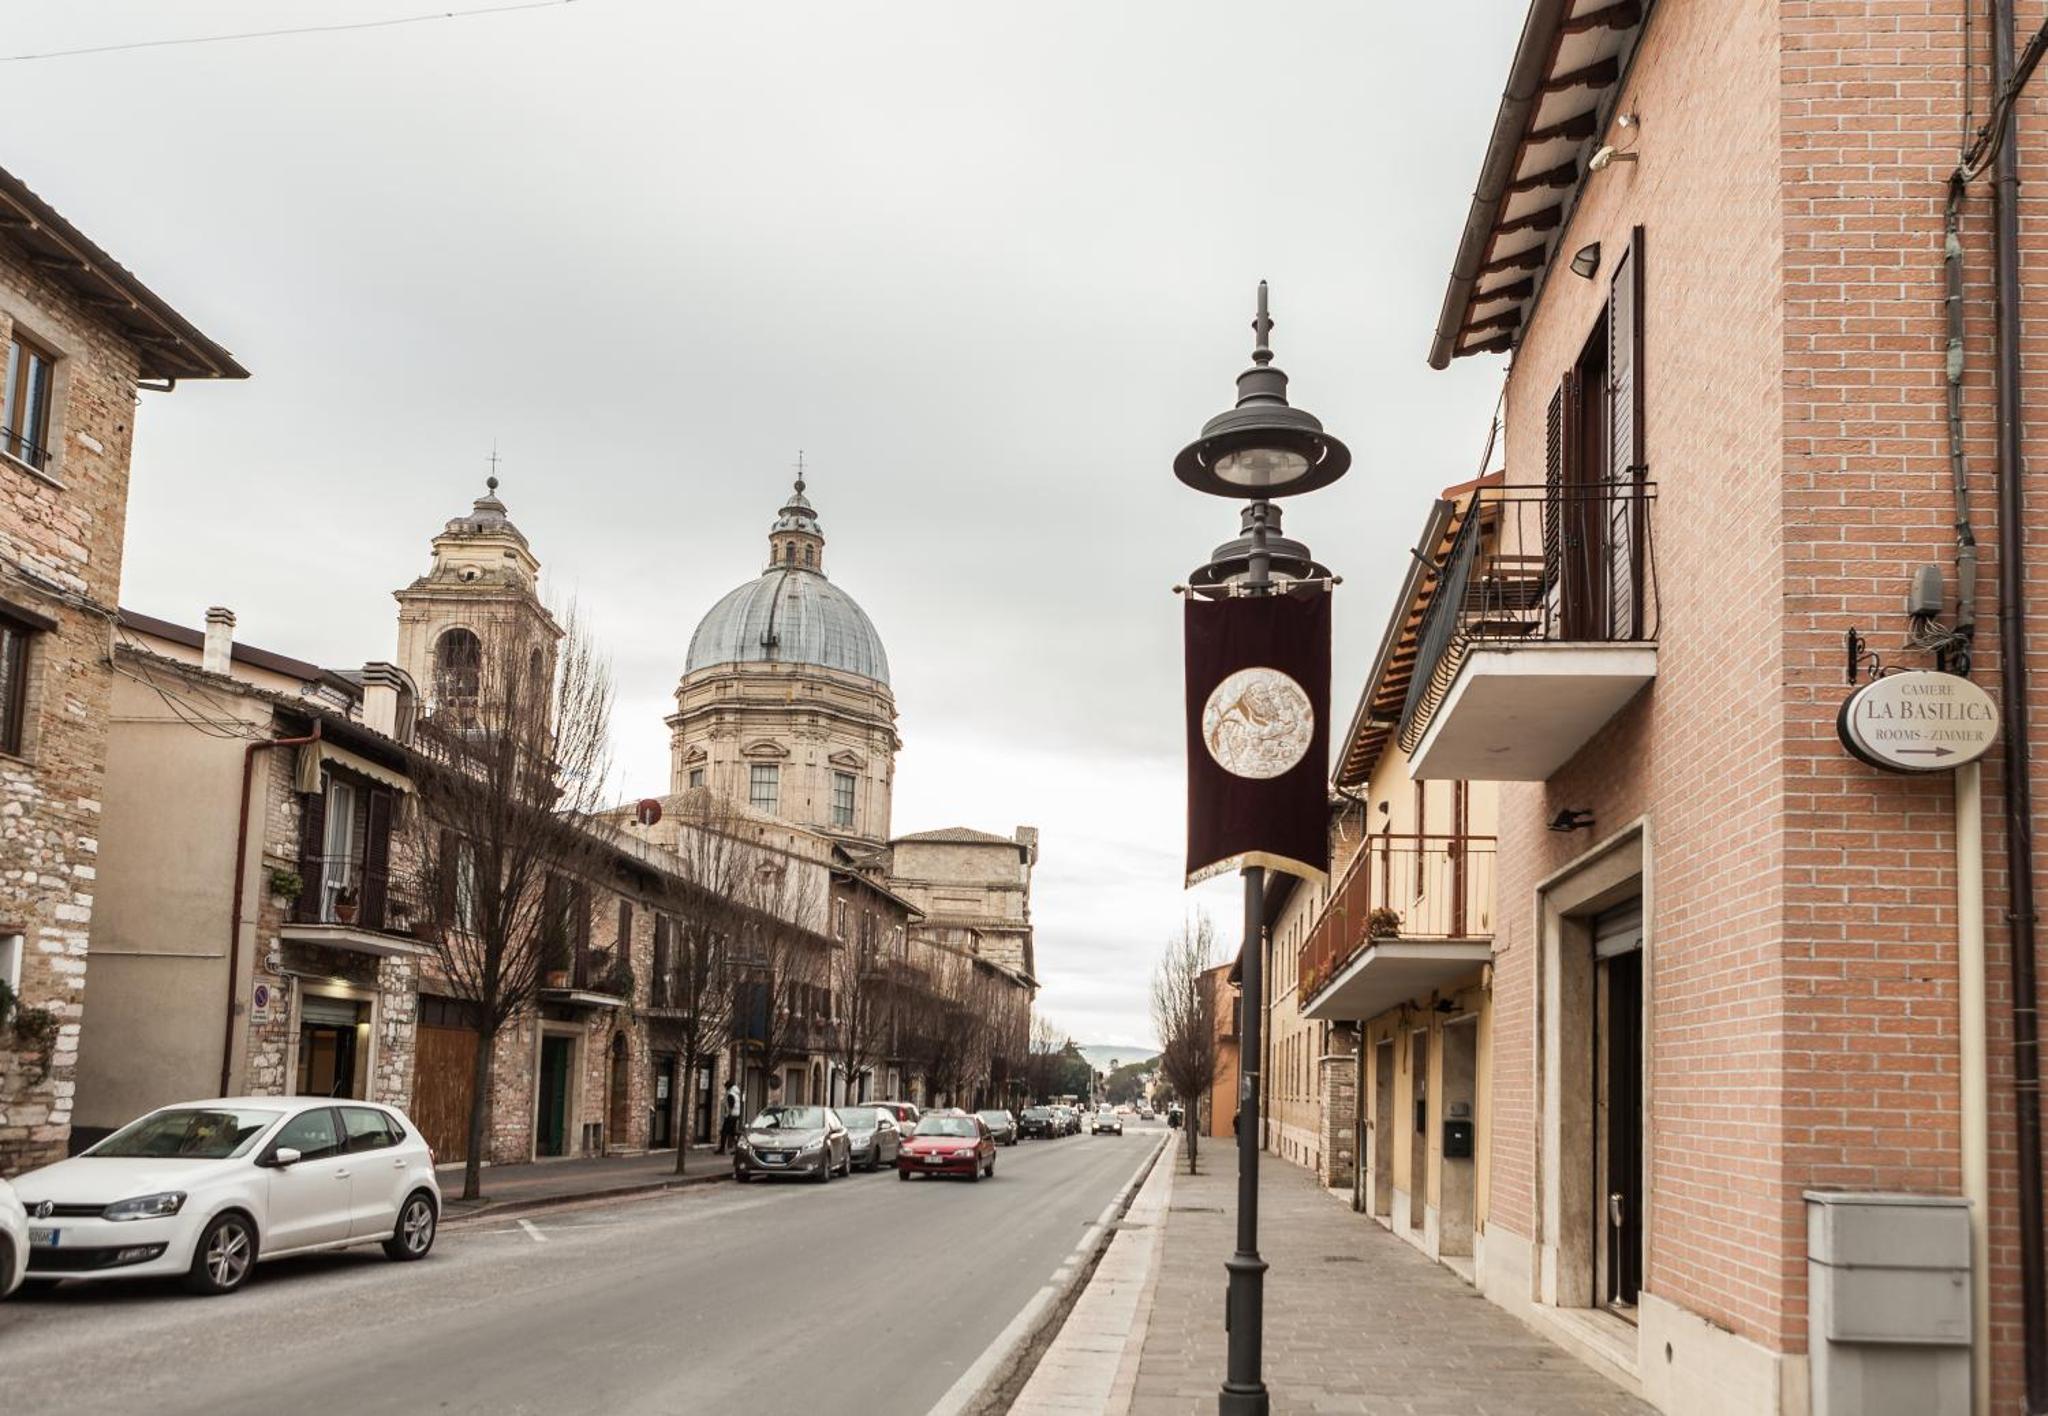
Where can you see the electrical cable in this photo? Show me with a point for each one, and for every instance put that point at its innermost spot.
(278, 33)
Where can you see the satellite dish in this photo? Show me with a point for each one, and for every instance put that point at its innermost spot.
(647, 812)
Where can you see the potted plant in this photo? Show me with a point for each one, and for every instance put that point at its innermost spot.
(285, 884)
(345, 902)
(557, 978)
(1383, 923)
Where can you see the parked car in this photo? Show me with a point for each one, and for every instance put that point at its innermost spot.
(905, 1112)
(13, 1240)
(948, 1145)
(794, 1140)
(208, 1189)
(1001, 1124)
(1108, 1122)
(1038, 1121)
(872, 1136)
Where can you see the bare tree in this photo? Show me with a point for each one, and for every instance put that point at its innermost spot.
(693, 994)
(1042, 1058)
(781, 963)
(863, 977)
(1184, 1015)
(509, 780)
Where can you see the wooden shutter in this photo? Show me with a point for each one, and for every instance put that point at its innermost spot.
(664, 994)
(1623, 509)
(579, 930)
(377, 857)
(312, 836)
(624, 947)
(1553, 492)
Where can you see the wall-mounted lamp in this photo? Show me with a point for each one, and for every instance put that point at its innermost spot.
(1445, 1005)
(1607, 157)
(1586, 260)
(1572, 819)
(1383, 808)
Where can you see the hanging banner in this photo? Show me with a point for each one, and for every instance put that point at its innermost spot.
(1258, 708)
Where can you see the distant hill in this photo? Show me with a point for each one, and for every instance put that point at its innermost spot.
(1101, 1054)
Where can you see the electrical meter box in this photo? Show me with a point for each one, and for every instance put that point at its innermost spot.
(1457, 1140)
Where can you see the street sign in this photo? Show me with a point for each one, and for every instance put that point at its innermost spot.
(1918, 721)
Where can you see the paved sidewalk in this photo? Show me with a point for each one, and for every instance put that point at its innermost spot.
(543, 1182)
(1356, 1320)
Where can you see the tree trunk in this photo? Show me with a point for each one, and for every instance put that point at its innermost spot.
(479, 1109)
(1190, 1126)
(684, 1106)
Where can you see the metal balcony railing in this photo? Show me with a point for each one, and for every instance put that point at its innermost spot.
(1532, 565)
(1401, 887)
(341, 889)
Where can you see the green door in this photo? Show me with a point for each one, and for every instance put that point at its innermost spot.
(554, 1095)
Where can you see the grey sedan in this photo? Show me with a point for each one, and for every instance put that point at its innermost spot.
(810, 1141)
(872, 1136)
(1001, 1124)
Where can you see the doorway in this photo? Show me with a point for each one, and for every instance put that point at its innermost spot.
(706, 1067)
(552, 1127)
(1458, 1174)
(331, 1031)
(661, 1131)
(1383, 1128)
(618, 1120)
(1418, 1140)
(1618, 1105)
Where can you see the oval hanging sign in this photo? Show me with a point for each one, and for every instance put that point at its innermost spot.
(1918, 721)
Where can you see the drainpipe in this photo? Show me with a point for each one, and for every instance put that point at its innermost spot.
(227, 1029)
(2012, 682)
(1969, 785)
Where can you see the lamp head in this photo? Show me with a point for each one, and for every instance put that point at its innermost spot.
(1263, 447)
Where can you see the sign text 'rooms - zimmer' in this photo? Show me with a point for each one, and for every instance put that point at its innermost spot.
(1918, 721)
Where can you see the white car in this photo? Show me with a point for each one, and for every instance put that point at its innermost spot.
(13, 1240)
(208, 1188)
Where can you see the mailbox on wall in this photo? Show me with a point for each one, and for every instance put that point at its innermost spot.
(1457, 1140)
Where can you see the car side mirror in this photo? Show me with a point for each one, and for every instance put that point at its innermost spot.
(284, 1156)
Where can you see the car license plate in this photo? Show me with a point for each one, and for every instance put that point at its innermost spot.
(774, 1157)
(934, 1160)
(45, 1238)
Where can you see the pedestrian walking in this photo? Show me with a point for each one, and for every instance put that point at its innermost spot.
(729, 1125)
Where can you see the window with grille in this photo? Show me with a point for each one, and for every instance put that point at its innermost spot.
(842, 798)
(25, 401)
(764, 788)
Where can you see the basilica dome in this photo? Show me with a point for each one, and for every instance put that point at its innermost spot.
(792, 614)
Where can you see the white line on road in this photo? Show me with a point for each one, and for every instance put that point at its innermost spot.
(533, 1231)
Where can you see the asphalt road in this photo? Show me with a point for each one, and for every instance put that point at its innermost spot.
(866, 1296)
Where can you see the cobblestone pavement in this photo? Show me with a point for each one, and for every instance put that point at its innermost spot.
(1356, 1320)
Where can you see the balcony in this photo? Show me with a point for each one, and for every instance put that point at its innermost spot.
(1541, 627)
(585, 978)
(1411, 913)
(343, 904)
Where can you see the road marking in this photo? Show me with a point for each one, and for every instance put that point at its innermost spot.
(533, 1232)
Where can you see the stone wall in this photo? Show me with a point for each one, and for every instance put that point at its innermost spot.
(63, 526)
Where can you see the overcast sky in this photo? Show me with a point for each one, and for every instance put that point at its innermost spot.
(990, 266)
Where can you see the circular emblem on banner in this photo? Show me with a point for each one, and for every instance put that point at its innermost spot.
(1258, 723)
(1918, 721)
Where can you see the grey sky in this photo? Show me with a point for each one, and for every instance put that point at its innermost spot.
(990, 266)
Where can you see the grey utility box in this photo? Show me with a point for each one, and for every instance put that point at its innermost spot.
(1888, 1304)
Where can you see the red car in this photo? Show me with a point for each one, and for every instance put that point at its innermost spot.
(948, 1145)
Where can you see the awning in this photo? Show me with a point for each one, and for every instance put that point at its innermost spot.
(1391, 972)
(313, 754)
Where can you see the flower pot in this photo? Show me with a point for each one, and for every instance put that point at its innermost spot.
(558, 978)
(345, 912)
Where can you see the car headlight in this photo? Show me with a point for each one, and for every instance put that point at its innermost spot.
(146, 1206)
(814, 1147)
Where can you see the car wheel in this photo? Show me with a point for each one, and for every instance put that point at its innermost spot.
(825, 1170)
(974, 1175)
(903, 1175)
(991, 1167)
(37, 1287)
(414, 1236)
(223, 1257)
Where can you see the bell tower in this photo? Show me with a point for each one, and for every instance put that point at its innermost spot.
(479, 598)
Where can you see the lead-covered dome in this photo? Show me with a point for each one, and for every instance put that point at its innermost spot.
(792, 614)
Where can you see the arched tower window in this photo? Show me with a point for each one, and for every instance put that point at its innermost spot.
(458, 670)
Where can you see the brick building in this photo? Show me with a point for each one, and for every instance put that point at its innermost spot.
(81, 335)
(1219, 1107)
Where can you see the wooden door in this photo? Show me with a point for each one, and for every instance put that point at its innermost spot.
(445, 1073)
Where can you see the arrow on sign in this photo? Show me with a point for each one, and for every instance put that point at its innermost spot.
(1923, 752)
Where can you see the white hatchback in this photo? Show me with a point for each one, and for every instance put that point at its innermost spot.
(207, 1189)
(13, 1240)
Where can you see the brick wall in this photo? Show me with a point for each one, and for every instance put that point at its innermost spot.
(67, 529)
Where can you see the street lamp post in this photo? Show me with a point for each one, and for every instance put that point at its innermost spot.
(1258, 450)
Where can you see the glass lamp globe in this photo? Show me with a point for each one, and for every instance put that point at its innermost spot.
(1266, 468)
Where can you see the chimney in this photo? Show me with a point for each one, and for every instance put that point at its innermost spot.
(384, 690)
(220, 641)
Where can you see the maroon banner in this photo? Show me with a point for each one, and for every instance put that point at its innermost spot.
(1258, 705)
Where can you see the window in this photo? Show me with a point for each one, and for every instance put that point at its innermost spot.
(337, 856)
(696, 778)
(370, 1129)
(311, 1133)
(843, 786)
(14, 637)
(839, 915)
(623, 949)
(25, 401)
(465, 886)
(458, 670)
(10, 963)
(764, 788)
